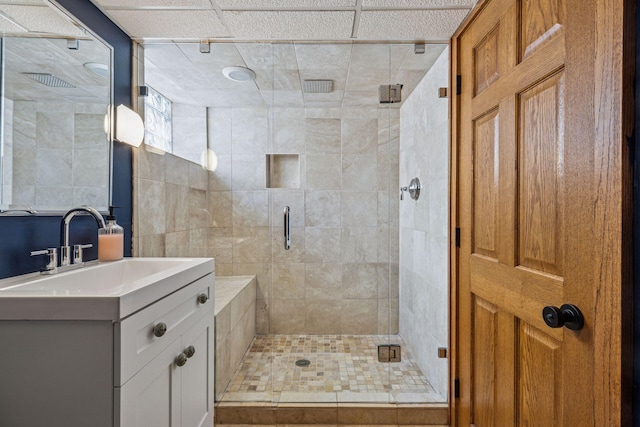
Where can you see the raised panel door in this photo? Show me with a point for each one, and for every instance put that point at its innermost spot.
(528, 157)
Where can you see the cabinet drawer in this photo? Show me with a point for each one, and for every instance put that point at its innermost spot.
(178, 312)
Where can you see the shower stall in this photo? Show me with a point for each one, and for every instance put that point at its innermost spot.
(294, 174)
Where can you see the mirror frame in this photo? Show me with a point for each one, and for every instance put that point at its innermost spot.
(6, 210)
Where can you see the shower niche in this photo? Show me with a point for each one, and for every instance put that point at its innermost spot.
(283, 171)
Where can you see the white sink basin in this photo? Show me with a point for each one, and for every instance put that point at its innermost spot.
(111, 290)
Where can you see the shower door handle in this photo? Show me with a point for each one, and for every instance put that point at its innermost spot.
(287, 228)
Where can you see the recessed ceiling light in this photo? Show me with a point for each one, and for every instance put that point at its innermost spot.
(100, 69)
(239, 74)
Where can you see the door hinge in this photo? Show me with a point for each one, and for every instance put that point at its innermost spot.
(457, 237)
(458, 84)
(456, 388)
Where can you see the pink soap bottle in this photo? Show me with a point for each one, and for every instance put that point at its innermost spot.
(110, 239)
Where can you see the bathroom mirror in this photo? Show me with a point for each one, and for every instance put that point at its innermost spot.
(56, 99)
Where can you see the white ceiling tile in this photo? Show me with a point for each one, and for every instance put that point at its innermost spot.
(41, 18)
(256, 55)
(221, 55)
(418, 4)
(370, 56)
(8, 26)
(323, 56)
(260, 25)
(176, 24)
(177, 4)
(410, 24)
(240, 99)
(283, 98)
(284, 55)
(277, 79)
(164, 54)
(280, 4)
(42, 55)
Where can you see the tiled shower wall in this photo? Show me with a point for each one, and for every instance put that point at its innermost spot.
(49, 137)
(424, 148)
(336, 278)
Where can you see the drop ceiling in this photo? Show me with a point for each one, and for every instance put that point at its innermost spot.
(357, 44)
(295, 20)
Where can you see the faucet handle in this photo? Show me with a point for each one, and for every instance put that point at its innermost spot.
(52, 259)
(65, 255)
(78, 251)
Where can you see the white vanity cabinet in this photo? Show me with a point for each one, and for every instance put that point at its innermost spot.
(168, 380)
(111, 370)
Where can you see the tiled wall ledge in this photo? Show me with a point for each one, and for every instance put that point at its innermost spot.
(235, 325)
(335, 414)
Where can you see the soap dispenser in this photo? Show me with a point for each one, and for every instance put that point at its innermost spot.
(110, 239)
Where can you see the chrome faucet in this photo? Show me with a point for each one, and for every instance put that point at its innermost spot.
(65, 249)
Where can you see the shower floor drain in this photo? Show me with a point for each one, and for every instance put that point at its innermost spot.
(303, 362)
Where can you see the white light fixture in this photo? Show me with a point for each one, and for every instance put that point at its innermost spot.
(239, 74)
(97, 68)
(129, 126)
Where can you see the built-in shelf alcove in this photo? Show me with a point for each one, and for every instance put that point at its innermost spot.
(283, 170)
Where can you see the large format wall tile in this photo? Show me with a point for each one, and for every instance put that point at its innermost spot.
(323, 136)
(336, 277)
(322, 208)
(359, 172)
(323, 171)
(423, 241)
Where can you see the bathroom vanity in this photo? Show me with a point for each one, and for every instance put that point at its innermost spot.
(127, 343)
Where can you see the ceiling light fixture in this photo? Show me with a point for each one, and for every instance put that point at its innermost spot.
(239, 74)
(97, 68)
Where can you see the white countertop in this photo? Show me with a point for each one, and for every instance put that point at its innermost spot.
(102, 291)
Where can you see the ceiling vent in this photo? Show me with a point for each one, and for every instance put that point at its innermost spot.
(317, 86)
(48, 80)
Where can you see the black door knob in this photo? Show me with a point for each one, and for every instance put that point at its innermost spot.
(568, 315)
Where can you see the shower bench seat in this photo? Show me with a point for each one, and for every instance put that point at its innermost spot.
(235, 314)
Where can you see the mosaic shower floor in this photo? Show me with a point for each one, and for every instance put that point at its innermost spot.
(343, 368)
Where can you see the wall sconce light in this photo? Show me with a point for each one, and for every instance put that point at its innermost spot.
(129, 126)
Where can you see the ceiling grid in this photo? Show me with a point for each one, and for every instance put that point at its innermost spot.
(288, 20)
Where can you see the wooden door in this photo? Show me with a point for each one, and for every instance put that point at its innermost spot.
(539, 196)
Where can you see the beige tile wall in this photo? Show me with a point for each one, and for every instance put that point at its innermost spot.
(335, 278)
(424, 279)
(50, 137)
(341, 273)
(235, 325)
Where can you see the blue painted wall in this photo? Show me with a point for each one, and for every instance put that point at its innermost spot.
(21, 235)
